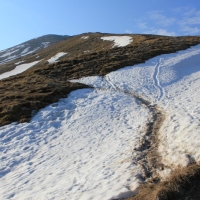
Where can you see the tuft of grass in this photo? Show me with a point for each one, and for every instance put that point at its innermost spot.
(184, 183)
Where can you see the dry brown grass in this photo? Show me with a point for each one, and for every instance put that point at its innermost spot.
(184, 183)
(45, 83)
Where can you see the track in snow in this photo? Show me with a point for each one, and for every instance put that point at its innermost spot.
(109, 83)
(149, 159)
(157, 81)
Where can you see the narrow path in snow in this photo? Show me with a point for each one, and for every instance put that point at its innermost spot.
(149, 159)
(157, 80)
(109, 82)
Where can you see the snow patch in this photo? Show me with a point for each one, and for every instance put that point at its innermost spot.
(56, 57)
(19, 69)
(86, 139)
(9, 53)
(85, 37)
(25, 50)
(17, 63)
(119, 41)
(171, 81)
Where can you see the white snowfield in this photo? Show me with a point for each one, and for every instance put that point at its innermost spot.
(171, 81)
(9, 53)
(18, 69)
(81, 148)
(85, 37)
(25, 50)
(119, 41)
(56, 57)
(78, 148)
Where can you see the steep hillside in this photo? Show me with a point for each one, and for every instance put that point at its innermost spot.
(86, 55)
(131, 130)
(27, 48)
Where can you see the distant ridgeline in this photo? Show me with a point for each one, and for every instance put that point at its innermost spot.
(29, 47)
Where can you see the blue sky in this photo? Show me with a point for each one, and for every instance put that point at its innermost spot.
(21, 20)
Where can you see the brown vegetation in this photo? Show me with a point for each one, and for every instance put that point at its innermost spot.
(45, 83)
(183, 184)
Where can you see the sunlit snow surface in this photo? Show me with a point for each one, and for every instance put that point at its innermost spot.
(78, 148)
(85, 37)
(171, 81)
(56, 57)
(119, 41)
(18, 69)
(82, 147)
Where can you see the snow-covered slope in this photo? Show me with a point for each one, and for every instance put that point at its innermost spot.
(83, 146)
(78, 148)
(172, 82)
(29, 47)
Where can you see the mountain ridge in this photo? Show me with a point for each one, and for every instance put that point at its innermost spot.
(29, 47)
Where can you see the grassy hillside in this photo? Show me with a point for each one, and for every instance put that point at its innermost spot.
(45, 83)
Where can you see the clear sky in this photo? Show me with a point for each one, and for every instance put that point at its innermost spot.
(21, 20)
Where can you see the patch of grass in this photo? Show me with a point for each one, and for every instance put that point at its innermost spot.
(184, 183)
(45, 83)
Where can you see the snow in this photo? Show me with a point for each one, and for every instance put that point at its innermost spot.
(56, 57)
(85, 37)
(14, 52)
(2, 50)
(45, 44)
(29, 52)
(172, 82)
(119, 41)
(78, 148)
(181, 129)
(9, 58)
(82, 146)
(9, 53)
(18, 69)
(17, 63)
(26, 50)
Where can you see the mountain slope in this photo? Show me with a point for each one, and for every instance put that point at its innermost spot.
(45, 82)
(133, 125)
(28, 47)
